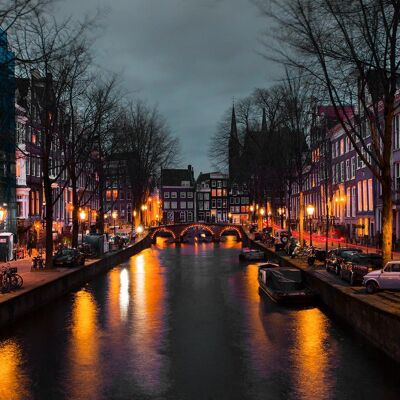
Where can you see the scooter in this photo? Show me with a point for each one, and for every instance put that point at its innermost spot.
(37, 262)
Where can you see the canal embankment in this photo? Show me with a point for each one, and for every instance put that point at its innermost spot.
(376, 317)
(41, 288)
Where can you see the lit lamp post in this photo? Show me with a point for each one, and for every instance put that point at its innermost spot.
(82, 217)
(230, 217)
(114, 217)
(252, 213)
(143, 214)
(262, 213)
(3, 214)
(281, 212)
(133, 220)
(269, 218)
(310, 212)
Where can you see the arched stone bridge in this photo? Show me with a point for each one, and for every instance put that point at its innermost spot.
(216, 230)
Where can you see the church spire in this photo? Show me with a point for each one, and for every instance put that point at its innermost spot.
(234, 133)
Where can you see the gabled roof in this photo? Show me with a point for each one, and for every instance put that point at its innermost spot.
(175, 176)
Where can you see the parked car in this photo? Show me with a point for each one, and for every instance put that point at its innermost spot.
(385, 278)
(335, 258)
(67, 257)
(281, 239)
(359, 265)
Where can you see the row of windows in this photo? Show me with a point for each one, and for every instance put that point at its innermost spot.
(239, 200)
(239, 209)
(341, 146)
(203, 205)
(174, 205)
(118, 194)
(218, 203)
(218, 184)
(183, 216)
(174, 195)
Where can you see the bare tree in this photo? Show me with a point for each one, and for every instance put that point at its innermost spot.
(48, 46)
(13, 13)
(351, 49)
(146, 145)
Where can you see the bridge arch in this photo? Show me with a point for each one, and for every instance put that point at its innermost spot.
(198, 226)
(231, 228)
(162, 229)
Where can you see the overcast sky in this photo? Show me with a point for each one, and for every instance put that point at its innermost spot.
(190, 57)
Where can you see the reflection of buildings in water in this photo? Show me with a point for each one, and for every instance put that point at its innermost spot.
(148, 321)
(13, 381)
(311, 357)
(230, 241)
(84, 368)
(260, 347)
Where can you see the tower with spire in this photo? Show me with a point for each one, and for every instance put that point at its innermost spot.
(234, 150)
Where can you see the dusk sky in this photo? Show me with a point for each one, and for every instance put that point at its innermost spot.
(190, 57)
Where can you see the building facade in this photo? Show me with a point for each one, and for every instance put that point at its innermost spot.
(7, 138)
(177, 188)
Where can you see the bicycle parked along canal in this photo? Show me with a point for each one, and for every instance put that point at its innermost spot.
(10, 279)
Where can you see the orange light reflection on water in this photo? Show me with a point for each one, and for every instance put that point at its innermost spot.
(310, 356)
(13, 382)
(84, 348)
(148, 311)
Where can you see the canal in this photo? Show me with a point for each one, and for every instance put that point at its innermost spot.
(186, 323)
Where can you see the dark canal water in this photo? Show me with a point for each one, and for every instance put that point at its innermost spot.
(186, 323)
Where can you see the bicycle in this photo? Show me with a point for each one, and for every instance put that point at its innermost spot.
(10, 279)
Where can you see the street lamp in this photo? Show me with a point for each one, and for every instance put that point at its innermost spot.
(230, 217)
(281, 213)
(82, 217)
(114, 217)
(252, 213)
(310, 212)
(3, 214)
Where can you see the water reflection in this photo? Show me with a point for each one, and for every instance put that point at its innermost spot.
(311, 355)
(13, 382)
(84, 366)
(124, 293)
(148, 322)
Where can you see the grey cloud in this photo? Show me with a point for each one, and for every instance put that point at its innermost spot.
(188, 56)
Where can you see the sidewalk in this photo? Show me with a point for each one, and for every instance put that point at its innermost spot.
(36, 278)
(333, 243)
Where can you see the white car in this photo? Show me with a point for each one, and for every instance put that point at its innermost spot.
(385, 278)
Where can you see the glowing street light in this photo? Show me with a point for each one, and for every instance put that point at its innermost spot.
(140, 229)
(281, 213)
(230, 217)
(3, 214)
(310, 212)
(114, 215)
(82, 218)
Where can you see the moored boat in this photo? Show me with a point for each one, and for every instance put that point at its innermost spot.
(284, 285)
(248, 254)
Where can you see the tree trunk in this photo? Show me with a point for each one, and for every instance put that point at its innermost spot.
(49, 222)
(387, 216)
(75, 201)
(301, 218)
(289, 210)
(100, 171)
